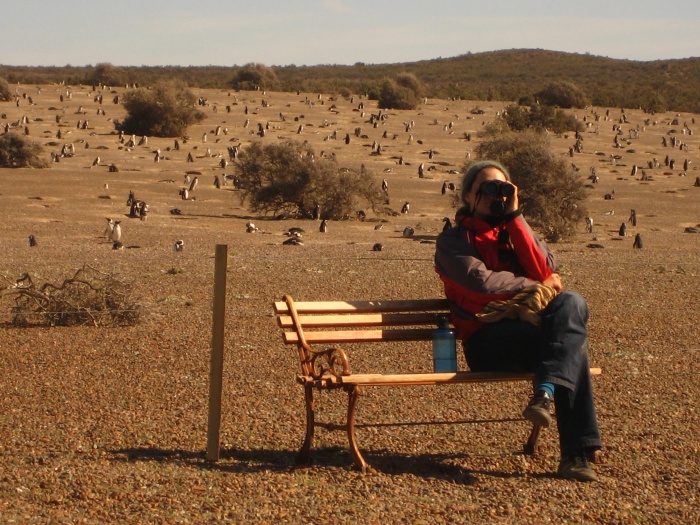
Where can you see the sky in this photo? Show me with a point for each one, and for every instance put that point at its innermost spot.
(314, 32)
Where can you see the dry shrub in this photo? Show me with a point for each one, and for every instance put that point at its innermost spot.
(5, 94)
(287, 178)
(17, 151)
(392, 95)
(166, 110)
(89, 297)
(562, 94)
(108, 75)
(254, 76)
(551, 194)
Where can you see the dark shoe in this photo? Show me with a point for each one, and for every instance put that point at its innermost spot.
(577, 468)
(538, 409)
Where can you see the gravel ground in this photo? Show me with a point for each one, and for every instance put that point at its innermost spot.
(109, 425)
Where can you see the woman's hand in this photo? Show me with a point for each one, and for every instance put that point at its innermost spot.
(512, 201)
(554, 281)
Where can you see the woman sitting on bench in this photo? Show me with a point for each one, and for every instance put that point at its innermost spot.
(512, 314)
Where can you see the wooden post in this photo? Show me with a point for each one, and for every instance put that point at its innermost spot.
(217, 353)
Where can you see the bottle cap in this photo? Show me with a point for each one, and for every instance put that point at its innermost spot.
(443, 321)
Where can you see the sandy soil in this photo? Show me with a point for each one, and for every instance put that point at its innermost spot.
(109, 425)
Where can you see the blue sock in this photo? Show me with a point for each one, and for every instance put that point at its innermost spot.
(546, 387)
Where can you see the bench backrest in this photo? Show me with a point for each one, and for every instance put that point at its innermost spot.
(316, 322)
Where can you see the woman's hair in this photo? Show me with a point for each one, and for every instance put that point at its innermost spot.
(473, 171)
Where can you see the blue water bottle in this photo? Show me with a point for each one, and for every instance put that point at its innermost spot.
(444, 347)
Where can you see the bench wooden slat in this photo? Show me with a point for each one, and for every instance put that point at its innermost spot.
(360, 336)
(430, 378)
(433, 378)
(329, 307)
(373, 319)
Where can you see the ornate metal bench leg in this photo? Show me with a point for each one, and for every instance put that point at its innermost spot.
(530, 447)
(353, 396)
(304, 456)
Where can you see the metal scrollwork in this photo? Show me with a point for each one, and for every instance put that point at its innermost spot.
(333, 361)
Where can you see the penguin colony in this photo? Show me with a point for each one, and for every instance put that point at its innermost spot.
(678, 142)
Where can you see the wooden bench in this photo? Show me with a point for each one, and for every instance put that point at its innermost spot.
(341, 322)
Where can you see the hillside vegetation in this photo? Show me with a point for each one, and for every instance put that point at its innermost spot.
(498, 75)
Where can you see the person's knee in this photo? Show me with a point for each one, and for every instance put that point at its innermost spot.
(572, 301)
(570, 305)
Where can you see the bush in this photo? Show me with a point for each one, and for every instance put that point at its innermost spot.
(108, 75)
(393, 96)
(164, 111)
(410, 81)
(563, 94)
(89, 297)
(17, 151)
(551, 194)
(285, 178)
(539, 117)
(5, 94)
(255, 76)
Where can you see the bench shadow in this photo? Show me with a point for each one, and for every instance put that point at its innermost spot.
(240, 461)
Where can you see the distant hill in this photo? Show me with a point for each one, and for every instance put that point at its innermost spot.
(497, 75)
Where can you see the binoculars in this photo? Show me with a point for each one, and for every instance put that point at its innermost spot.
(496, 188)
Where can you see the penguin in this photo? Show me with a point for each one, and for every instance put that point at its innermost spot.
(323, 228)
(379, 227)
(116, 245)
(405, 207)
(316, 214)
(250, 227)
(179, 245)
(623, 230)
(408, 231)
(143, 210)
(31, 241)
(637, 241)
(448, 224)
(294, 241)
(117, 231)
(385, 186)
(294, 231)
(444, 188)
(194, 183)
(377, 247)
(109, 228)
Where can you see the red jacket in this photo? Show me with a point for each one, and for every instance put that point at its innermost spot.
(478, 264)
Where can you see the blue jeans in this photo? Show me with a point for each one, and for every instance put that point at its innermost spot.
(557, 352)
